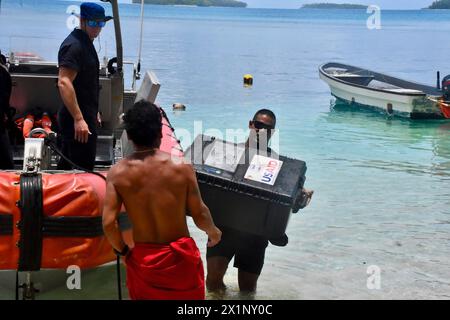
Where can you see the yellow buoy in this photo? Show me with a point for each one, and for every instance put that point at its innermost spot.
(179, 106)
(248, 80)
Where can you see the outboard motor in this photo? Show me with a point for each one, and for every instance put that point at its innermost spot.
(446, 88)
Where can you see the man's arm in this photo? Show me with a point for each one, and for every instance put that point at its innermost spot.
(66, 77)
(199, 211)
(111, 209)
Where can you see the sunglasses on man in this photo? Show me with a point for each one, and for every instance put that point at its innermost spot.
(96, 23)
(261, 125)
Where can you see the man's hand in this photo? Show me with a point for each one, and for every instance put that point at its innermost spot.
(214, 236)
(81, 131)
(99, 119)
(303, 199)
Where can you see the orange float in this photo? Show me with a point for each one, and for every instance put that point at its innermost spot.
(445, 109)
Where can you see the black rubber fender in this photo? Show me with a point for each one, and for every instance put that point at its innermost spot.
(111, 68)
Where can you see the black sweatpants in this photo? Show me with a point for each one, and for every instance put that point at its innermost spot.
(6, 160)
(82, 154)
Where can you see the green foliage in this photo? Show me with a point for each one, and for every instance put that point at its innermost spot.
(334, 6)
(441, 4)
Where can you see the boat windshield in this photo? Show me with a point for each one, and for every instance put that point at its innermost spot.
(30, 49)
(24, 49)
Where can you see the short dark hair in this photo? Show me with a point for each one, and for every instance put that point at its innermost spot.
(265, 112)
(143, 123)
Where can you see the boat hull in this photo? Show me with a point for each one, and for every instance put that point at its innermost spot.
(405, 103)
(359, 106)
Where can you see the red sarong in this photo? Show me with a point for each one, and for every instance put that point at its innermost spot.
(166, 272)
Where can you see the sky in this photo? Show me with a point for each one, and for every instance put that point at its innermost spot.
(295, 4)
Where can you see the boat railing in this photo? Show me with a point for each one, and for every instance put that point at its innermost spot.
(135, 75)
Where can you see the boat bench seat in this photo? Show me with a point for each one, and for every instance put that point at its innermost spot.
(362, 80)
(375, 84)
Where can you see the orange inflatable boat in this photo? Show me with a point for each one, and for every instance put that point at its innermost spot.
(54, 220)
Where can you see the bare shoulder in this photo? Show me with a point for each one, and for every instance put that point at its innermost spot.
(177, 160)
(188, 170)
(117, 170)
(181, 166)
(178, 163)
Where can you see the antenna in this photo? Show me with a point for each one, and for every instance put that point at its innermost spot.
(438, 81)
(140, 43)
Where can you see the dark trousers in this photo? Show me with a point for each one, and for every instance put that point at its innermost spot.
(82, 154)
(6, 160)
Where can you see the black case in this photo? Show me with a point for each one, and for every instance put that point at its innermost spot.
(243, 204)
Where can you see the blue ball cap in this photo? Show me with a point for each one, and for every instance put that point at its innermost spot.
(93, 11)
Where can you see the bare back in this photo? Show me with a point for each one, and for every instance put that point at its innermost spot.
(154, 190)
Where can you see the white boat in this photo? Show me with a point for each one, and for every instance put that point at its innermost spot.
(357, 86)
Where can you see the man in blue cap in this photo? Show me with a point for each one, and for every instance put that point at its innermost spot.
(78, 85)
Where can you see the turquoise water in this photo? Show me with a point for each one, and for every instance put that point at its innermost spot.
(382, 185)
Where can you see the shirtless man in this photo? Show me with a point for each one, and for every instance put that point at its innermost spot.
(157, 191)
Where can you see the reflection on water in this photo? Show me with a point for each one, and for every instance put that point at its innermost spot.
(99, 283)
(403, 136)
(441, 148)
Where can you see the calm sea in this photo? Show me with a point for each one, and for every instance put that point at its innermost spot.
(382, 200)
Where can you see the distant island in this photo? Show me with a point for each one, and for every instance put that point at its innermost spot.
(334, 6)
(199, 3)
(441, 4)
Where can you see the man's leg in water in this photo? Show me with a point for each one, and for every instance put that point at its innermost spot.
(249, 260)
(247, 281)
(217, 267)
(218, 258)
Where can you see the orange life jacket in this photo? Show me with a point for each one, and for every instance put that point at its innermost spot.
(29, 122)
